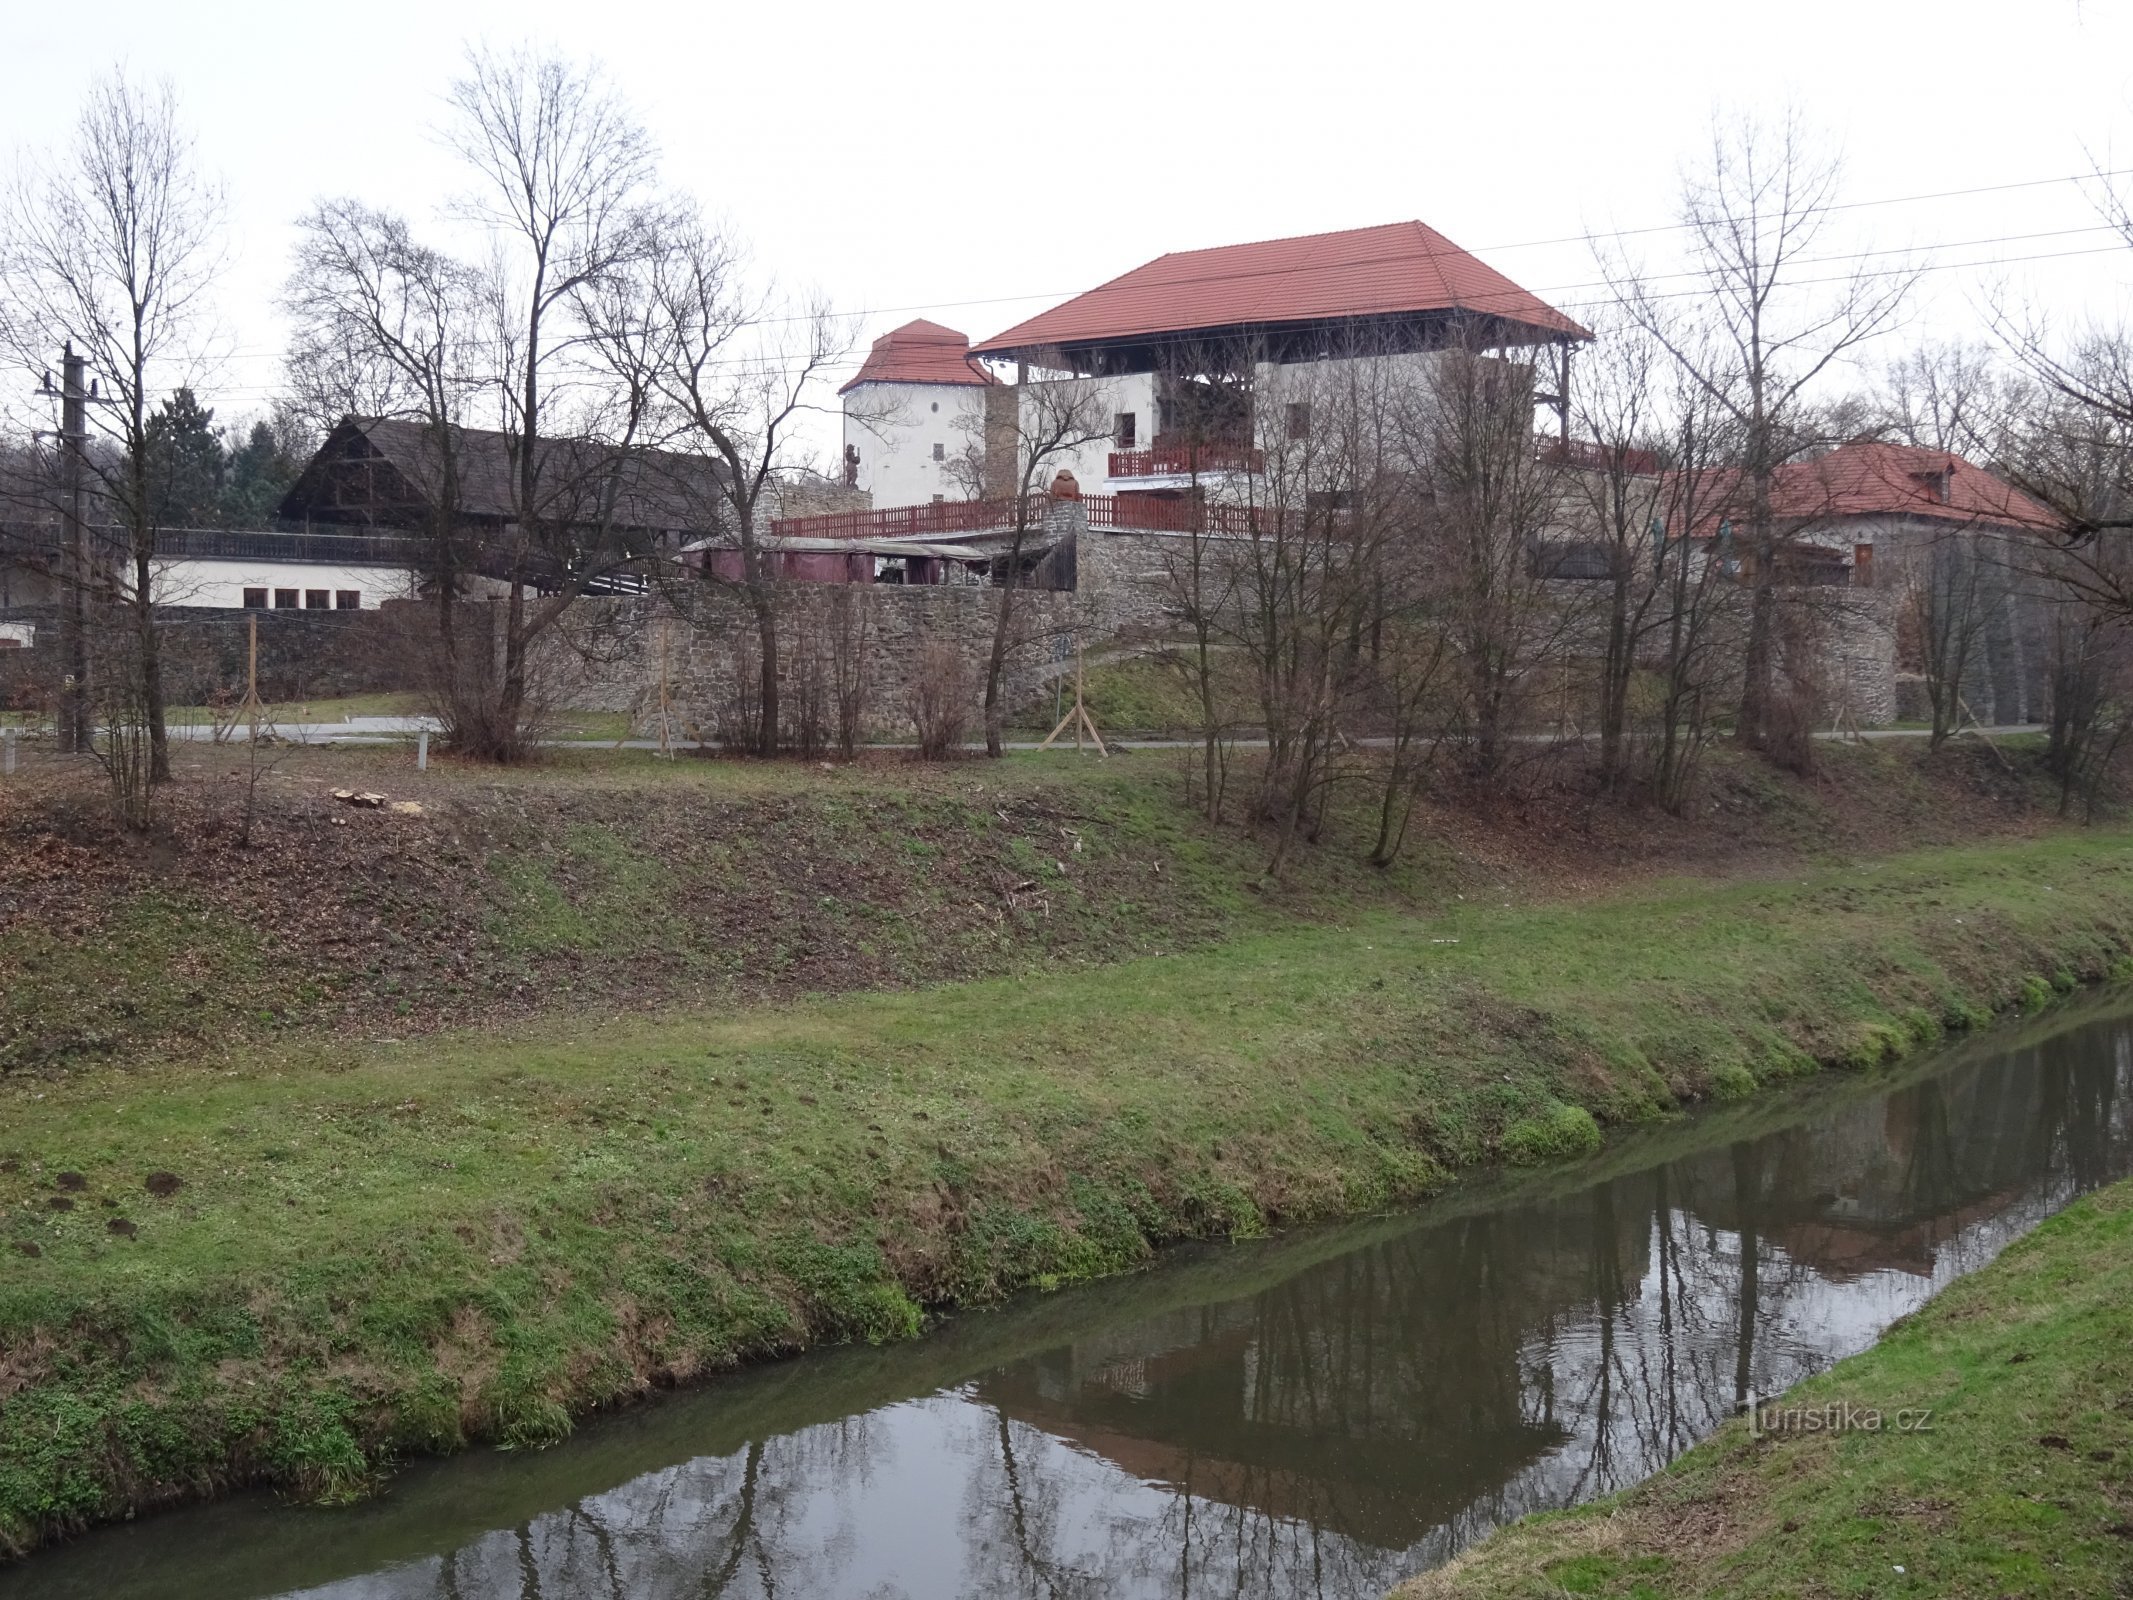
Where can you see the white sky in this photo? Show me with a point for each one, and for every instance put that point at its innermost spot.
(975, 163)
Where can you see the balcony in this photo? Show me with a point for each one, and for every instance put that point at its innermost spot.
(1185, 461)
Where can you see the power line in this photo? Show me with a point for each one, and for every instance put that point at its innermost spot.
(753, 364)
(743, 365)
(1523, 244)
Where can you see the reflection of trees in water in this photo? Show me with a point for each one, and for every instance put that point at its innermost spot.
(1378, 1411)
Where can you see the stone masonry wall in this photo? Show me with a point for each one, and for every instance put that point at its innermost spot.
(614, 655)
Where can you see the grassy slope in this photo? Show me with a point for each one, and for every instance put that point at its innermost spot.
(616, 882)
(379, 1249)
(2022, 1487)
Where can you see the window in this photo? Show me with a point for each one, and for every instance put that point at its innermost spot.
(1122, 430)
(1299, 420)
(318, 600)
(255, 599)
(1571, 558)
(348, 599)
(940, 452)
(284, 599)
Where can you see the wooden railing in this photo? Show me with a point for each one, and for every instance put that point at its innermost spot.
(1584, 455)
(1117, 513)
(1145, 513)
(908, 522)
(1183, 460)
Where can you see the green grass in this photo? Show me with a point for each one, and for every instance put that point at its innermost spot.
(1138, 695)
(563, 724)
(378, 1249)
(2020, 1485)
(331, 709)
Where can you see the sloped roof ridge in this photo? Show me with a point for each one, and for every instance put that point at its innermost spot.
(1259, 272)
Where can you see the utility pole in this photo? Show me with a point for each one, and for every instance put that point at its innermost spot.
(74, 733)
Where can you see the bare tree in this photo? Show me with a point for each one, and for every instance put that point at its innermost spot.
(1306, 548)
(1698, 641)
(561, 171)
(385, 326)
(1493, 499)
(1615, 508)
(1772, 322)
(737, 370)
(1946, 605)
(1047, 423)
(1198, 570)
(1944, 396)
(111, 245)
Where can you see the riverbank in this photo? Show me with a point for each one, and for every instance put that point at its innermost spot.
(264, 909)
(298, 1265)
(1983, 1448)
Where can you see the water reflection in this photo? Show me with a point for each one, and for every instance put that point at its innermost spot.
(1355, 1417)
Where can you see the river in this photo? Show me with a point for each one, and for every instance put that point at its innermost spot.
(1321, 1413)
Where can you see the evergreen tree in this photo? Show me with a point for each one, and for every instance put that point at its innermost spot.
(186, 464)
(258, 473)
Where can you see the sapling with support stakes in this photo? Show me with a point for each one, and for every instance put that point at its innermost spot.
(1078, 718)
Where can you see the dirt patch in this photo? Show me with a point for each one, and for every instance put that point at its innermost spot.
(615, 888)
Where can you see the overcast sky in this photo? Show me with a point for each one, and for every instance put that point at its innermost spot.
(974, 163)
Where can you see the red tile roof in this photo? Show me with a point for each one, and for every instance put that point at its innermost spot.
(1400, 267)
(1869, 479)
(920, 352)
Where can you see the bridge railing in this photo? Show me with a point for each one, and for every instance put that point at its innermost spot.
(1117, 513)
(908, 522)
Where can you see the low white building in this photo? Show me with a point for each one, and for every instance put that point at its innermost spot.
(282, 571)
(225, 569)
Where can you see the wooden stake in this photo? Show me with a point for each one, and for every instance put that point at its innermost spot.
(1079, 717)
(251, 680)
(665, 717)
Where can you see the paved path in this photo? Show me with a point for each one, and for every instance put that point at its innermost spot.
(402, 730)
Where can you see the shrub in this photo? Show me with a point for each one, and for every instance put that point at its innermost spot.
(940, 701)
(1557, 1134)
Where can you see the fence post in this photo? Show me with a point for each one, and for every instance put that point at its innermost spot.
(422, 749)
(7, 752)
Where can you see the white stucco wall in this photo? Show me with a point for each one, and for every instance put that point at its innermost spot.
(1275, 387)
(196, 582)
(896, 427)
(1132, 392)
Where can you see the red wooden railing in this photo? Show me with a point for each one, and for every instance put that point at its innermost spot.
(1147, 513)
(1182, 460)
(1590, 457)
(1125, 513)
(907, 522)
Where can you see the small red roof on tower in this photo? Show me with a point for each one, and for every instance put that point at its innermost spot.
(920, 352)
(1362, 272)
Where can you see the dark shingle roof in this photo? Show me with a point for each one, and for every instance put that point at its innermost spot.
(654, 490)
